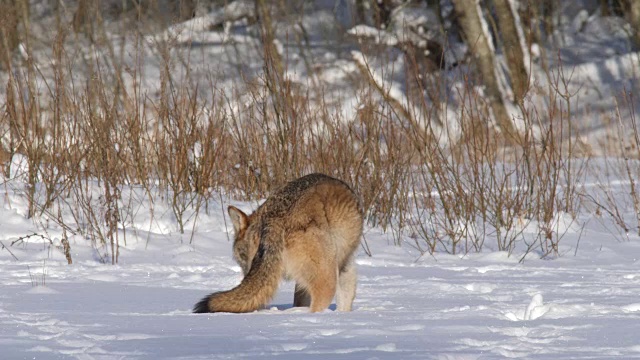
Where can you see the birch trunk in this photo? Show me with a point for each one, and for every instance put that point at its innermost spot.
(477, 37)
(514, 47)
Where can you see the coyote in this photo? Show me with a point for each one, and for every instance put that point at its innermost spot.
(307, 231)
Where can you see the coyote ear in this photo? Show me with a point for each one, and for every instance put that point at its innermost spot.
(239, 219)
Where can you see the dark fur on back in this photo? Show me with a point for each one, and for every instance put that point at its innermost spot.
(283, 199)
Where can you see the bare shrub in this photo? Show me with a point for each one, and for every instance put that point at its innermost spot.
(99, 141)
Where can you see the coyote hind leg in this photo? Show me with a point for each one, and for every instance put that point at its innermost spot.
(322, 288)
(347, 279)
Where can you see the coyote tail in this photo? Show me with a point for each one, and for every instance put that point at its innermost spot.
(257, 287)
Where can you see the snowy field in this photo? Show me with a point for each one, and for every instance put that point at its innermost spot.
(583, 304)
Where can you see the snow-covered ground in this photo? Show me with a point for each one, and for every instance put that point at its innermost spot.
(584, 304)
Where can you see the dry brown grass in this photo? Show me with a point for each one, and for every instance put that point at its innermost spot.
(88, 142)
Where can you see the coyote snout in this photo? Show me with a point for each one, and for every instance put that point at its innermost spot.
(306, 231)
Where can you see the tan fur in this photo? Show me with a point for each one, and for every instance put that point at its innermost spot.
(307, 231)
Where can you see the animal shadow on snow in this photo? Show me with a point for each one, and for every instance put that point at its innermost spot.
(283, 307)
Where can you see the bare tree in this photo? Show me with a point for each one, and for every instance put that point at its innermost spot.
(382, 16)
(360, 12)
(633, 16)
(12, 14)
(514, 47)
(81, 17)
(186, 9)
(612, 7)
(475, 32)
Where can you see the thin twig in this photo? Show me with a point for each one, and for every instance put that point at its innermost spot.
(9, 250)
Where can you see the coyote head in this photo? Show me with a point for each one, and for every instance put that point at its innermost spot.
(247, 238)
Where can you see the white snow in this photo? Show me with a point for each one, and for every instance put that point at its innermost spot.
(378, 36)
(185, 31)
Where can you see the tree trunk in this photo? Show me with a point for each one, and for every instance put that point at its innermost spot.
(81, 16)
(12, 13)
(360, 12)
(633, 16)
(186, 9)
(383, 9)
(477, 38)
(514, 47)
